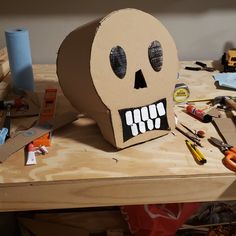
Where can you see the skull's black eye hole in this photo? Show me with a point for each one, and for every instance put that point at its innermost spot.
(118, 61)
(155, 55)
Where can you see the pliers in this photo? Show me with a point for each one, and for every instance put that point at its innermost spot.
(229, 151)
(203, 67)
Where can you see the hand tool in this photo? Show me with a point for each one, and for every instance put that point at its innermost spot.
(181, 92)
(192, 136)
(213, 100)
(225, 101)
(197, 154)
(7, 121)
(203, 67)
(17, 103)
(229, 151)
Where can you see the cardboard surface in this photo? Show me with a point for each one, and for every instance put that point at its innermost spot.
(227, 129)
(25, 137)
(144, 54)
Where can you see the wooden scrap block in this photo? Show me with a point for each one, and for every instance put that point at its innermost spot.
(4, 87)
(4, 63)
(227, 128)
(4, 70)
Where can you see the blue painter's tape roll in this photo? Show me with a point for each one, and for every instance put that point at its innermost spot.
(19, 53)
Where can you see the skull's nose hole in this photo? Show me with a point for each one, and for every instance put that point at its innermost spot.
(139, 80)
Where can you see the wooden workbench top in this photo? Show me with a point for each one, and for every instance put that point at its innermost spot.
(83, 170)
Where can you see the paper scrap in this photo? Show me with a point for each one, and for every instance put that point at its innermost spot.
(226, 80)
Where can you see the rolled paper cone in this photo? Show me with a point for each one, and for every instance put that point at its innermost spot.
(19, 53)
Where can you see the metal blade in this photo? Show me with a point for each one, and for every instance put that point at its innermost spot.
(219, 143)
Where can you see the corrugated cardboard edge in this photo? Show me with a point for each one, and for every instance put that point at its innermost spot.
(98, 111)
(25, 137)
(114, 122)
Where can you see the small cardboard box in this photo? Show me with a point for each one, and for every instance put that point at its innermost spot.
(121, 70)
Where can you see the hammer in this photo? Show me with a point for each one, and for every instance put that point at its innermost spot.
(225, 100)
(222, 100)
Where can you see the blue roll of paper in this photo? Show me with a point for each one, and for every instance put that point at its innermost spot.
(19, 53)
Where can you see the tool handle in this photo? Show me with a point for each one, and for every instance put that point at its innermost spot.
(7, 122)
(192, 68)
(198, 156)
(230, 160)
(7, 125)
(233, 149)
(231, 103)
(201, 63)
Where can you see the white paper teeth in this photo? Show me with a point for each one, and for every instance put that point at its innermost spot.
(137, 116)
(129, 118)
(157, 123)
(161, 109)
(144, 113)
(134, 130)
(150, 124)
(145, 118)
(152, 111)
(142, 127)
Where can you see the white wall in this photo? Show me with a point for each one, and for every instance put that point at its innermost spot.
(201, 29)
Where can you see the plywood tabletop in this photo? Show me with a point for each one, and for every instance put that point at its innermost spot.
(82, 169)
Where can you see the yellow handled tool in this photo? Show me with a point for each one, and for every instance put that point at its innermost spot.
(197, 154)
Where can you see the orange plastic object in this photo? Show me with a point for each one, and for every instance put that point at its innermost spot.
(230, 159)
(43, 141)
(46, 114)
(48, 106)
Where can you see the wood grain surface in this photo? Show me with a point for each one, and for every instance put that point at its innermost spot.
(82, 169)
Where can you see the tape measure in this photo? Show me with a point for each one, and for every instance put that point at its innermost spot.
(181, 92)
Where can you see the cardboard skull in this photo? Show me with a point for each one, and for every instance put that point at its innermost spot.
(121, 71)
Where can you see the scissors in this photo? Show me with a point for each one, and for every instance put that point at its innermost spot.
(229, 151)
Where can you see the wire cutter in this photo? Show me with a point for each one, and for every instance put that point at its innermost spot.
(229, 151)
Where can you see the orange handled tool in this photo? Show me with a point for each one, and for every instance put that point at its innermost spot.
(229, 152)
(230, 159)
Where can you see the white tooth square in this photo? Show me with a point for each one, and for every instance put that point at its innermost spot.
(153, 111)
(161, 109)
(150, 124)
(142, 127)
(137, 116)
(134, 130)
(144, 113)
(157, 123)
(129, 118)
